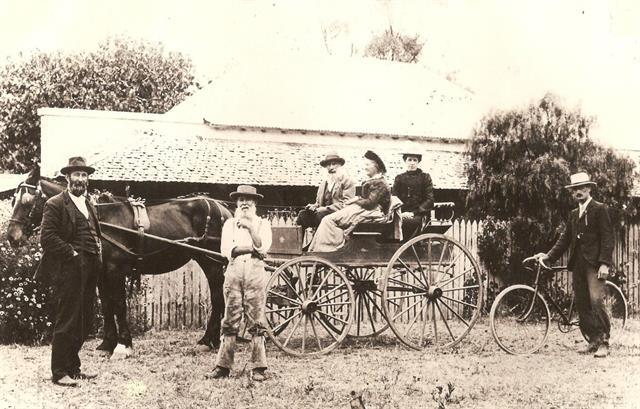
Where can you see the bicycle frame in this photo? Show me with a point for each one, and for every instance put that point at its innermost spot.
(565, 319)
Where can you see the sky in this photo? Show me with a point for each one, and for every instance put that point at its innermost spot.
(509, 53)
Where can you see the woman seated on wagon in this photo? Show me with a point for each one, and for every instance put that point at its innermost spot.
(372, 205)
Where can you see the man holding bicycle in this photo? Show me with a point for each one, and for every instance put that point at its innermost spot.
(588, 237)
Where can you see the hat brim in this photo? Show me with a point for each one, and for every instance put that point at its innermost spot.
(325, 162)
(417, 155)
(234, 195)
(68, 169)
(580, 184)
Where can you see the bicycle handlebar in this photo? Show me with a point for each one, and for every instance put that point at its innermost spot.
(539, 260)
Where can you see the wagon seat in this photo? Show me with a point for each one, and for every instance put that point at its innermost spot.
(388, 228)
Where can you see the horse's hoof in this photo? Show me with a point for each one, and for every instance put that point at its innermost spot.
(122, 352)
(105, 346)
(104, 353)
(201, 348)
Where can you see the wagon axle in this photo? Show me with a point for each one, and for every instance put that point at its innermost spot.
(434, 293)
(309, 307)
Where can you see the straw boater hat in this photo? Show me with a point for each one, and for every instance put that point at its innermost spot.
(580, 179)
(331, 157)
(245, 190)
(372, 156)
(77, 163)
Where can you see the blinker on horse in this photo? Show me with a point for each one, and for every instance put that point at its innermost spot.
(196, 220)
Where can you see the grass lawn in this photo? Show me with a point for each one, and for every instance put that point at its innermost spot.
(166, 372)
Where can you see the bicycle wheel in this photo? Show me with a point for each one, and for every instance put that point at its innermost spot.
(519, 322)
(617, 309)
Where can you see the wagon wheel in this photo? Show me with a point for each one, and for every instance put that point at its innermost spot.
(369, 317)
(432, 292)
(309, 306)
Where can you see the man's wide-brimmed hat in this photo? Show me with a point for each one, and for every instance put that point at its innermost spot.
(245, 190)
(580, 179)
(77, 163)
(372, 156)
(331, 157)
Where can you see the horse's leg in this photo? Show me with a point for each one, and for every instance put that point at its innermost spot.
(215, 277)
(110, 335)
(125, 342)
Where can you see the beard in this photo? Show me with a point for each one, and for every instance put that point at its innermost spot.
(245, 211)
(78, 187)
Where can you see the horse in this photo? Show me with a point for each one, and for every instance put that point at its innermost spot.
(196, 220)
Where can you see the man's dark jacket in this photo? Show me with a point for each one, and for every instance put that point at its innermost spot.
(415, 189)
(57, 232)
(594, 232)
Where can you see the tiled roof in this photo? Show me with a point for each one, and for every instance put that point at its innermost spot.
(351, 95)
(196, 159)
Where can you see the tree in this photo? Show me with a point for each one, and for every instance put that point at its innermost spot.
(395, 47)
(120, 75)
(519, 162)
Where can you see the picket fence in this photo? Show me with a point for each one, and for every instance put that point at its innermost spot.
(181, 299)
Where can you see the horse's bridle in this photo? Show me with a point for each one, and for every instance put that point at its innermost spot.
(39, 194)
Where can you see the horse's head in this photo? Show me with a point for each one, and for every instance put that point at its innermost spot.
(27, 203)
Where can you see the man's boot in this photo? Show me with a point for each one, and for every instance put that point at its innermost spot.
(602, 352)
(591, 348)
(258, 374)
(219, 373)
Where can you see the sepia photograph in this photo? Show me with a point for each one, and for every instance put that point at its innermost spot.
(283, 204)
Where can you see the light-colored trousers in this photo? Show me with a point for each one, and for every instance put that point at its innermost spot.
(331, 232)
(244, 293)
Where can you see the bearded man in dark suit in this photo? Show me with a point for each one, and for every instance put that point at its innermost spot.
(70, 238)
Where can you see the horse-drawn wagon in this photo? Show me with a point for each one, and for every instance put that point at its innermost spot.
(427, 289)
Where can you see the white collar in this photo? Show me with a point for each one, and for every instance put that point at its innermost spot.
(583, 206)
(75, 198)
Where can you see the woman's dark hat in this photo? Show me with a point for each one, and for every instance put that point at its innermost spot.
(77, 163)
(372, 156)
(407, 154)
(331, 157)
(245, 190)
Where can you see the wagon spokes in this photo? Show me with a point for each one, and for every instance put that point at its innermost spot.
(369, 318)
(431, 292)
(309, 306)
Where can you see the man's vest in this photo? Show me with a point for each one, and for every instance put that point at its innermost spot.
(86, 238)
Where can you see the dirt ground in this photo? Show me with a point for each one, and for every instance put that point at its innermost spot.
(167, 372)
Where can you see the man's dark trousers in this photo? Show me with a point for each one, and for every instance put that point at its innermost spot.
(74, 292)
(589, 299)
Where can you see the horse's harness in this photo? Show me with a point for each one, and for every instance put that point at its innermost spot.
(141, 224)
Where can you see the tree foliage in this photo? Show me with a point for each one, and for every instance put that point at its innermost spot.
(120, 75)
(394, 46)
(519, 162)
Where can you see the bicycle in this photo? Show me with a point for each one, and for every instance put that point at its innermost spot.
(520, 316)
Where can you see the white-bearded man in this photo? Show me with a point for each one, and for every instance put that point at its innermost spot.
(246, 238)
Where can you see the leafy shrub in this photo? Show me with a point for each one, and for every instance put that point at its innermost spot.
(519, 161)
(122, 74)
(25, 305)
